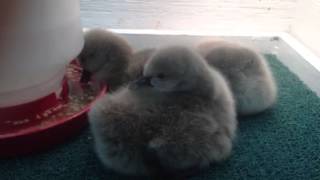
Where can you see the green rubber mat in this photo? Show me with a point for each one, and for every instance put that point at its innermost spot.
(281, 143)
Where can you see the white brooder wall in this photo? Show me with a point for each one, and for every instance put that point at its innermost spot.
(190, 15)
(300, 18)
(306, 26)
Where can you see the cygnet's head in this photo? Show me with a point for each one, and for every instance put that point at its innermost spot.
(104, 49)
(172, 69)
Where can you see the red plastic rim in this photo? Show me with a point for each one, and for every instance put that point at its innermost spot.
(42, 132)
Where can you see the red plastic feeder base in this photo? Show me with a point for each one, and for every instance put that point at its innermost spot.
(39, 125)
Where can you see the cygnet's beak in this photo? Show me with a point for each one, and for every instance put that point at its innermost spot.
(86, 76)
(143, 81)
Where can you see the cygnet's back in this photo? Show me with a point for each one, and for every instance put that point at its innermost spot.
(248, 74)
(105, 56)
(139, 59)
(177, 118)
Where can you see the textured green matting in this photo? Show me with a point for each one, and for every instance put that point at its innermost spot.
(281, 143)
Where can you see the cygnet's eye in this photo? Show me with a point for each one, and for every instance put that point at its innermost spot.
(161, 76)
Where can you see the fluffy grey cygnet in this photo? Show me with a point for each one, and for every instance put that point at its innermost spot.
(105, 57)
(248, 73)
(176, 119)
(139, 59)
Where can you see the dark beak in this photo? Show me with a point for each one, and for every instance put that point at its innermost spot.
(143, 81)
(85, 77)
